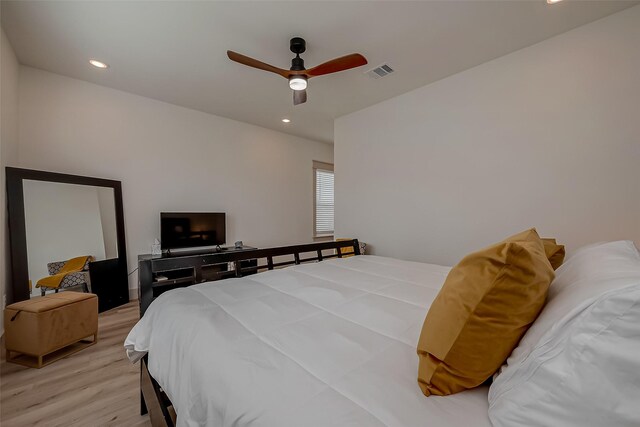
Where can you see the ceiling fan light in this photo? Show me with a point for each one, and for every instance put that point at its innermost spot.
(298, 83)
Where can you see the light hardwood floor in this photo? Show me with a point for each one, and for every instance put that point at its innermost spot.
(94, 387)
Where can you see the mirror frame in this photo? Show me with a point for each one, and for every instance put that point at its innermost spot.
(19, 289)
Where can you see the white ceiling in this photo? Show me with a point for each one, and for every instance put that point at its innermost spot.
(176, 51)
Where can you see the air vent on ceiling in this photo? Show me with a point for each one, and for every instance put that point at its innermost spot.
(379, 71)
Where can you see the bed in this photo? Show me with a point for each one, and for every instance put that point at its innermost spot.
(319, 344)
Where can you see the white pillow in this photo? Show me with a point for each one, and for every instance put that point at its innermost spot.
(579, 363)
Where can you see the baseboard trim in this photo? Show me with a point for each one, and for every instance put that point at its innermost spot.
(133, 294)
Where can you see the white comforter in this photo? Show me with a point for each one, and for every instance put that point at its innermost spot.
(324, 344)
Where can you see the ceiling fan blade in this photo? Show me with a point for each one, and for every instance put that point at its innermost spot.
(339, 64)
(299, 96)
(245, 60)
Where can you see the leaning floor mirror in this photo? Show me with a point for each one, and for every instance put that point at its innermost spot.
(66, 234)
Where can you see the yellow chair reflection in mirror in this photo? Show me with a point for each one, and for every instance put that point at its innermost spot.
(67, 274)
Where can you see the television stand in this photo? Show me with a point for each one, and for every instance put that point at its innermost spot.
(160, 273)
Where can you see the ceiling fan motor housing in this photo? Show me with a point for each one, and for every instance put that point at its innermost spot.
(297, 46)
(297, 64)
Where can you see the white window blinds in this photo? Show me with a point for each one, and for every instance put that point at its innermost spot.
(323, 206)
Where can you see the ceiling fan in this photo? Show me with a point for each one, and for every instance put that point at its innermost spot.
(297, 74)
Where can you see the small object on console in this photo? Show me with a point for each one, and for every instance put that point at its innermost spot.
(156, 248)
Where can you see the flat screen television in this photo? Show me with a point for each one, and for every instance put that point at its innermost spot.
(191, 230)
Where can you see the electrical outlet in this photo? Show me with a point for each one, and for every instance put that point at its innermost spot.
(4, 301)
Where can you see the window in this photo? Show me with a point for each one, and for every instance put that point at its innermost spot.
(322, 199)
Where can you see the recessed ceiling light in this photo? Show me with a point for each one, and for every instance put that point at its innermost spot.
(98, 64)
(553, 1)
(286, 121)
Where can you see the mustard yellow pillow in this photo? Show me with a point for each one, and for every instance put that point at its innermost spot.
(484, 307)
(555, 253)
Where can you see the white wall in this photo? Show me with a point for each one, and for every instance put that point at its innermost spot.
(170, 158)
(548, 136)
(8, 148)
(107, 204)
(62, 221)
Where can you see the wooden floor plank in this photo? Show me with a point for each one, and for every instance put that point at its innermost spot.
(94, 387)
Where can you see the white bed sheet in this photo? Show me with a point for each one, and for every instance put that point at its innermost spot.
(324, 344)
